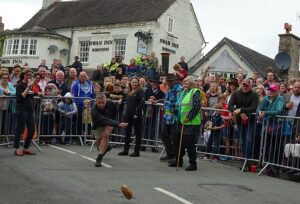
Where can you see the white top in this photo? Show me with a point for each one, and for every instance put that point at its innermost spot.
(295, 100)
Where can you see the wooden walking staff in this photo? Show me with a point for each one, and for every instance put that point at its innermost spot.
(180, 143)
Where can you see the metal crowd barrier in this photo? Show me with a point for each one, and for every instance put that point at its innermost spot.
(281, 147)
(274, 142)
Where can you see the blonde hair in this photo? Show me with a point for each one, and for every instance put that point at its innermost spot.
(190, 80)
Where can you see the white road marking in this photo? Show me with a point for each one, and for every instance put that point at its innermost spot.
(173, 195)
(82, 156)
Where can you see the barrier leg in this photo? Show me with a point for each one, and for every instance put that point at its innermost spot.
(162, 152)
(263, 169)
(36, 145)
(80, 140)
(92, 146)
(245, 162)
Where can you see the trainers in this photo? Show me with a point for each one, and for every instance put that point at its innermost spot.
(98, 163)
(224, 158)
(167, 157)
(213, 159)
(123, 153)
(205, 158)
(134, 154)
(191, 168)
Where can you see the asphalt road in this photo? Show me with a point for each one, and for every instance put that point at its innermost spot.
(59, 176)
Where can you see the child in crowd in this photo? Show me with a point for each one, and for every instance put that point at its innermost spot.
(48, 113)
(215, 135)
(67, 109)
(87, 116)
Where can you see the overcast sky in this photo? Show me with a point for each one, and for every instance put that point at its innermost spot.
(252, 23)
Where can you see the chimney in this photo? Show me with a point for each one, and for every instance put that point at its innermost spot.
(1, 24)
(47, 3)
(290, 43)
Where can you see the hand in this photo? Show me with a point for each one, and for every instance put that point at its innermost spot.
(261, 114)
(152, 97)
(237, 111)
(244, 116)
(119, 101)
(289, 105)
(186, 120)
(135, 116)
(123, 125)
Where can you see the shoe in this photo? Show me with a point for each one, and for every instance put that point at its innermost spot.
(28, 152)
(174, 164)
(98, 162)
(224, 158)
(134, 154)
(213, 159)
(205, 158)
(167, 157)
(107, 149)
(19, 152)
(191, 168)
(154, 150)
(123, 153)
(143, 149)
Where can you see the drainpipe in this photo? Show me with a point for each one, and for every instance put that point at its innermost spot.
(70, 45)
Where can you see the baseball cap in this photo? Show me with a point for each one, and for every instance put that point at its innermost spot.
(273, 87)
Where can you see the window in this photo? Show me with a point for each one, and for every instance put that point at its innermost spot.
(32, 50)
(15, 47)
(20, 47)
(9, 46)
(120, 47)
(170, 24)
(84, 51)
(24, 47)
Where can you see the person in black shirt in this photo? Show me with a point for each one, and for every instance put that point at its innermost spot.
(183, 64)
(133, 116)
(153, 95)
(103, 116)
(24, 112)
(77, 65)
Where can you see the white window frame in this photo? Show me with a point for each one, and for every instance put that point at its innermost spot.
(9, 47)
(120, 47)
(84, 51)
(18, 47)
(15, 46)
(171, 21)
(32, 47)
(24, 46)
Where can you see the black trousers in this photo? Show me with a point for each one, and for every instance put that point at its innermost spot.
(137, 124)
(24, 118)
(167, 136)
(188, 143)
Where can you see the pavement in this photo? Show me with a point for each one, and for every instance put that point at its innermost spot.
(66, 174)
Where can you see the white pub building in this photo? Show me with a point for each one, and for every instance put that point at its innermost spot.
(97, 30)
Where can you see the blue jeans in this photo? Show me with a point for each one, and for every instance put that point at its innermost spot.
(24, 118)
(246, 136)
(214, 138)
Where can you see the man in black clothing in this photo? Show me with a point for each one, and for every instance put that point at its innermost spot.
(183, 64)
(77, 65)
(242, 103)
(153, 95)
(103, 114)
